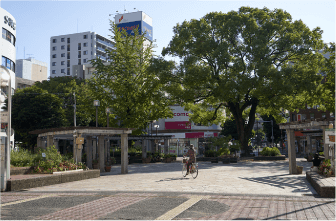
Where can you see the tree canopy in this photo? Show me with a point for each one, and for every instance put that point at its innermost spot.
(244, 59)
(34, 108)
(129, 84)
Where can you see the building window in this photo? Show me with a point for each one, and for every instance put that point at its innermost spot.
(79, 61)
(85, 52)
(68, 40)
(8, 63)
(79, 46)
(54, 56)
(62, 62)
(68, 71)
(53, 71)
(54, 40)
(293, 117)
(68, 55)
(62, 40)
(311, 116)
(84, 60)
(54, 48)
(85, 44)
(68, 48)
(79, 54)
(63, 55)
(63, 47)
(8, 36)
(54, 64)
(68, 63)
(62, 71)
(85, 36)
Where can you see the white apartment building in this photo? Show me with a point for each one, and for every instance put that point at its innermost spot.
(8, 58)
(31, 69)
(76, 49)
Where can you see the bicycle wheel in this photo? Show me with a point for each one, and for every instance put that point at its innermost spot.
(195, 173)
(184, 170)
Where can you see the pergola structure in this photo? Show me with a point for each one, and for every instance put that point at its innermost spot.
(300, 125)
(102, 133)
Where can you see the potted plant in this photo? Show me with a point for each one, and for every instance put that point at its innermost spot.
(107, 166)
(95, 164)
(148, 159)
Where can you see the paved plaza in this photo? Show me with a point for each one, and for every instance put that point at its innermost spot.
(246, 190)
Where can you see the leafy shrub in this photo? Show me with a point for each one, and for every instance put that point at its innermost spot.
(210, 153)
(321, 153)
(22, 158)
(267, 151)
(325, 165)
(223, 151)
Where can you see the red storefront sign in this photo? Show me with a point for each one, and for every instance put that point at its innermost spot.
(178, 125)
(194, 135)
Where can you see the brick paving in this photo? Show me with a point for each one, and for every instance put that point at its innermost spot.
(261, 191)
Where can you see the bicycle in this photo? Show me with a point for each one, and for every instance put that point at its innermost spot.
(193, 168)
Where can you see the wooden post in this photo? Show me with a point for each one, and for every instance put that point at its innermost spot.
(101, 153)
(291, 151)
(124, 154)
(89, 152)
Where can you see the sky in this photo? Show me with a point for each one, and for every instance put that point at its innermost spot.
(37, 21)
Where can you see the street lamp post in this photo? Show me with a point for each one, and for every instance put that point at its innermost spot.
(6, 176)
(108, 111)
(96, 103)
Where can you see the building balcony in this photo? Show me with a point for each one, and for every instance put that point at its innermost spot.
(105, 43)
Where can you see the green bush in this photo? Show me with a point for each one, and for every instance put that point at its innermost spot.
(210, 153)
(53, 161)
(321, 153)
(223, 151)
(22, 158)
(267, 151)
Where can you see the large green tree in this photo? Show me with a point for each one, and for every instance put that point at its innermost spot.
(68, 89)
(244, 59)
(129, 83)
(328, 99)
(34, 108)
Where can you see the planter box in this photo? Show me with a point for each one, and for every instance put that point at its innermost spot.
(226, 160)
(233, 160)
(214, 160)
(282, 157)
(146, 160)
(20, 170)
(32, 182)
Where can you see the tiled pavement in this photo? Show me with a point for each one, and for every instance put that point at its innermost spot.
(258, 190)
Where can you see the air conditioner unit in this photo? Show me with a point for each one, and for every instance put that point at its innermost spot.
(299, 117)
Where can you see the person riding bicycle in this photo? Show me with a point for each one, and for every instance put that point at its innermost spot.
(191, 155)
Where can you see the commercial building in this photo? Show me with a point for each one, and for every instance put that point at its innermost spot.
(31, 69)
(183, 132)
(76, 49)
(8, 58)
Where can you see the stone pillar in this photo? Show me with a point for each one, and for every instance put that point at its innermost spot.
(325, 146)
(56, 144)
(108, 149)
(89, 152)
(166, 146)
(309, 145)
(105, 150)
(101, 154)
(79, 148)
(39, 142)
(50, 140)
(94, 148)
(144, 150)
(291, 151)
(124, 154)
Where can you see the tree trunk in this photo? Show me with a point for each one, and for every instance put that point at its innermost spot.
(244, 130)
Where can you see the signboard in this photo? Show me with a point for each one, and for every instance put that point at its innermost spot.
(177, 125)
(176, 135)
(80, 140)
(329, 137)
(130, 26)
(179, 114)
(148, 29)
(4, 116)
(195, 135)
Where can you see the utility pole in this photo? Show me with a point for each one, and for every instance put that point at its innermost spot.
(74, 94)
